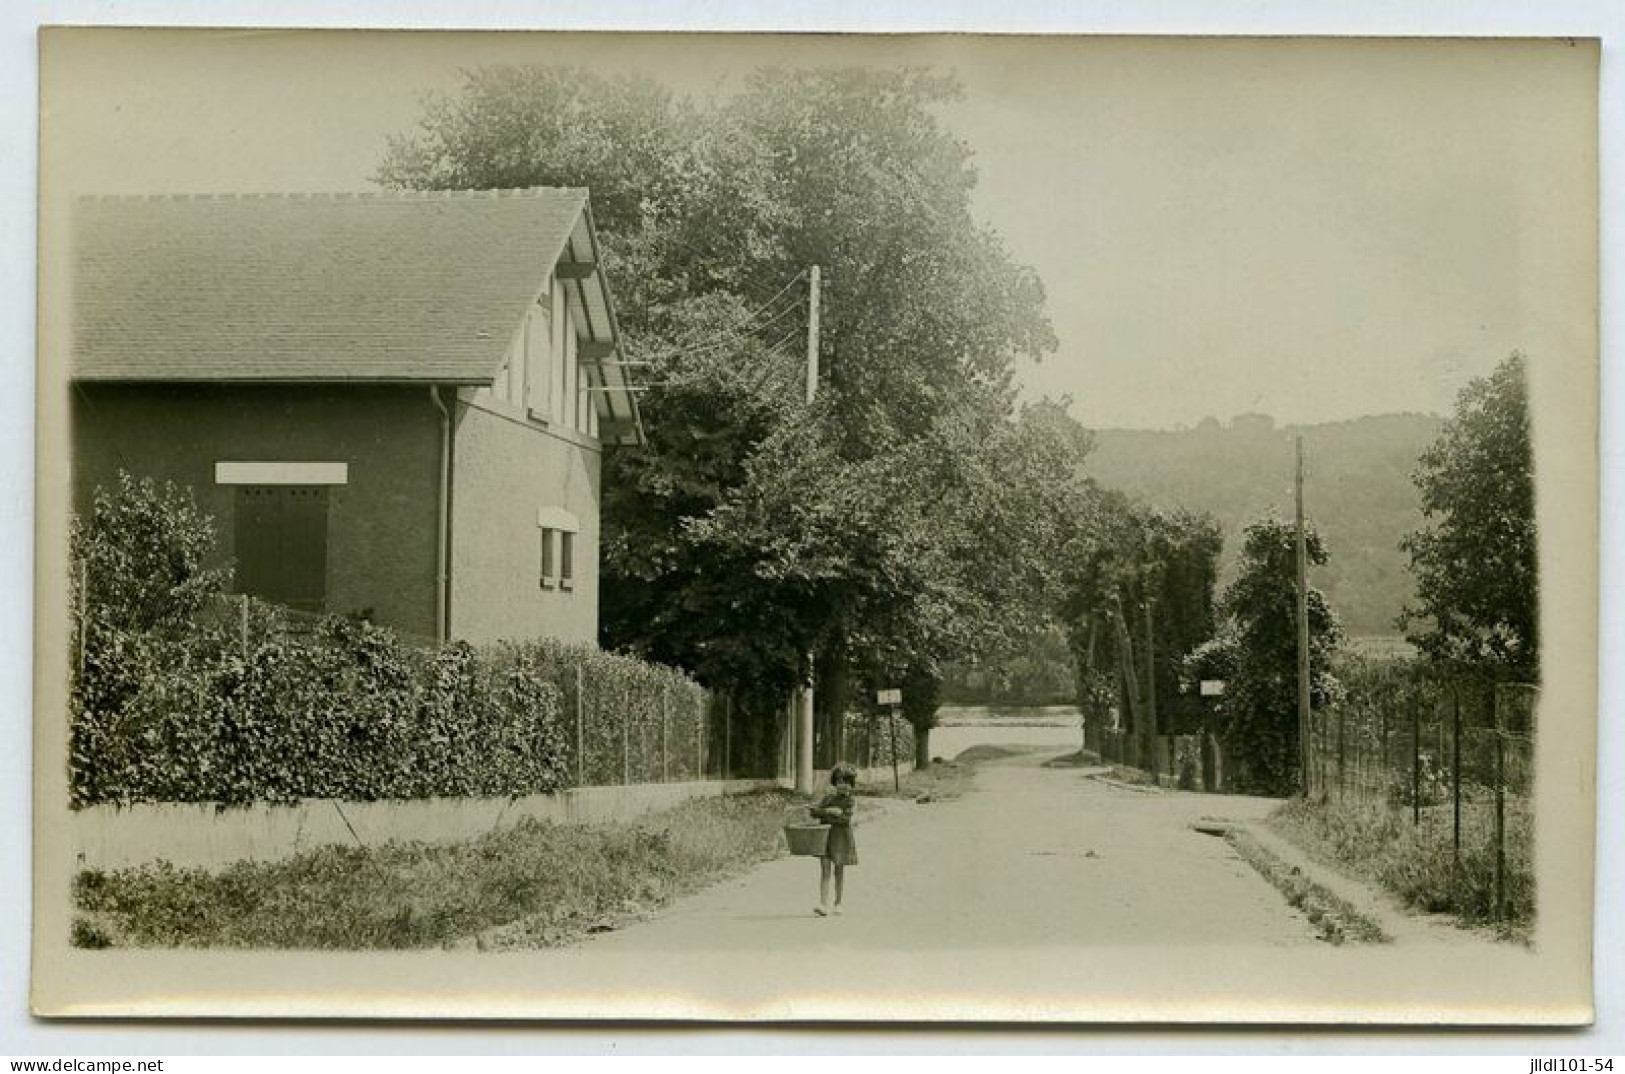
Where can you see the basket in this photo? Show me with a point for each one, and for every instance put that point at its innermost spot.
(808, 840)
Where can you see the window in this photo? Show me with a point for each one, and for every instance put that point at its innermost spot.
(279, 536)
(567, 556)
(558, 528)
(549, 564)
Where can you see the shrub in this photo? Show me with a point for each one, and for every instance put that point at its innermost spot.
(868, 740)
(173, 702)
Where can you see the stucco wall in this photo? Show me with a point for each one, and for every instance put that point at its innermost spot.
(381, 524)
(505, 469)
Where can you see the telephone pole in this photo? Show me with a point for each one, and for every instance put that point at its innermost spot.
(803, 706)
(1305, 742)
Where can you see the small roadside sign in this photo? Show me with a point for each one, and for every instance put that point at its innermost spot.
(1212, 687)
(890, 697)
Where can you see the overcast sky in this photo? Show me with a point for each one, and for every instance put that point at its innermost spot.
(1313, 229)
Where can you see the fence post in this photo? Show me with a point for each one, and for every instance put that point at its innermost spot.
(891, 727)
(1455, 770)
(1341, 756)
(665, 718)
(1416, 765)
(699, 733)
(243, 603)
(581, 730)
(726, 766)
(1383, 760)
(1500, 811)
(626, 743)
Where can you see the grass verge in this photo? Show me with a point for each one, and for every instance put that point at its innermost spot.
(1335, 920)
(1076, 759)
(1418, 862)
(533, 885)
(941, 782)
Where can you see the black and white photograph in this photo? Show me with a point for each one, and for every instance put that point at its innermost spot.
(816, 528)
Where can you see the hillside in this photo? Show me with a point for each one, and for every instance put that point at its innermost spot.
(1357, 491)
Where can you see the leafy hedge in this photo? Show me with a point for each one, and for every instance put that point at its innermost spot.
(869, 742)
(624, 720)
(172, 701)
(345, 711)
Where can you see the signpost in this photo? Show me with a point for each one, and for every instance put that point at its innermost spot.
(892, 700)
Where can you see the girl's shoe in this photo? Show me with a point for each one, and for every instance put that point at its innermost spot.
(836, 911)
(821, 912)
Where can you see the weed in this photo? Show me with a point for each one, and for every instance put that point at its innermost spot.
(534, 884)
(1418, 861)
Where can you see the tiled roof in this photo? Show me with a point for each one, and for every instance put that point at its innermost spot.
(314, 287)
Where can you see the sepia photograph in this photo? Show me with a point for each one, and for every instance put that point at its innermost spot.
(816, 527)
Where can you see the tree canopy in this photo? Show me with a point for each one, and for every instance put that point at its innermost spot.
(1475, 565)
(907, 515)
(1256, 653)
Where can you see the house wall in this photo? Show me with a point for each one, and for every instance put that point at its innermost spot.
(381, 524)
(506, 467)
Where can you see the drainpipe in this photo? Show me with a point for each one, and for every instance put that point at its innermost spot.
(442, 604)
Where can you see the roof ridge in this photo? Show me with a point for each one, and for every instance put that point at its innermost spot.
(345, 195)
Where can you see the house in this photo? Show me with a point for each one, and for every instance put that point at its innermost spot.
(394, 404)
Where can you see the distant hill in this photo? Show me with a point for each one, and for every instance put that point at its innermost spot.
(1358, 493)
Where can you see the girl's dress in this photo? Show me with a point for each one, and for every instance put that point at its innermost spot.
(836, 809)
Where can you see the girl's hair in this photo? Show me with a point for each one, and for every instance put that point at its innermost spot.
(843, 773)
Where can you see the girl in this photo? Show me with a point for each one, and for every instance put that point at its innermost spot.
(836, 809)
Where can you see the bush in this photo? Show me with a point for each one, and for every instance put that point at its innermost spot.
(346, 711)
(860, 750)
(173, 702)
(639, 722)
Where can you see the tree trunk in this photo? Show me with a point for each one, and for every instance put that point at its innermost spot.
(922, 748)
(833, 687)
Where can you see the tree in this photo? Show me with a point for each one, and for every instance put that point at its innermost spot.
(879, 528)
(1257, 654)
(1475, 565)
(1123, 559)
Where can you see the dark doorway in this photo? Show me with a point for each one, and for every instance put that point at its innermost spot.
(281, 544)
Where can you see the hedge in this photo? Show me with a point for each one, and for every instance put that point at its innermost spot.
(863, 750)
(181, 693)
(624, 720)
(340, 708)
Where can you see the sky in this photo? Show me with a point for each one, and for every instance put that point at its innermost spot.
(1309, 228)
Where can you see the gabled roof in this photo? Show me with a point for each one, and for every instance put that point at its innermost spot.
(402, 287)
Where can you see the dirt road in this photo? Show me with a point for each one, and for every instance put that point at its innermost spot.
(1033, 856)
(1042, 894)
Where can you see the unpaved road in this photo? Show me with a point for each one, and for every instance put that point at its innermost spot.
(1032, 857)
(1041, 894)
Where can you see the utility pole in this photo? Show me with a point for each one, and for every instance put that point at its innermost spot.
(803, 707)
(1305, 744)
(1152, 730)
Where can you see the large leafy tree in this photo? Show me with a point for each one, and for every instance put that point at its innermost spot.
(1475, 565)
(1256, 654)
(1127, 565)
(879, 527)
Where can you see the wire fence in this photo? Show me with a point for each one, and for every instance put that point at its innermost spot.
(1453, 758)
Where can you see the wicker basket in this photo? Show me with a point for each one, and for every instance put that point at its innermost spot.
(808, 840)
